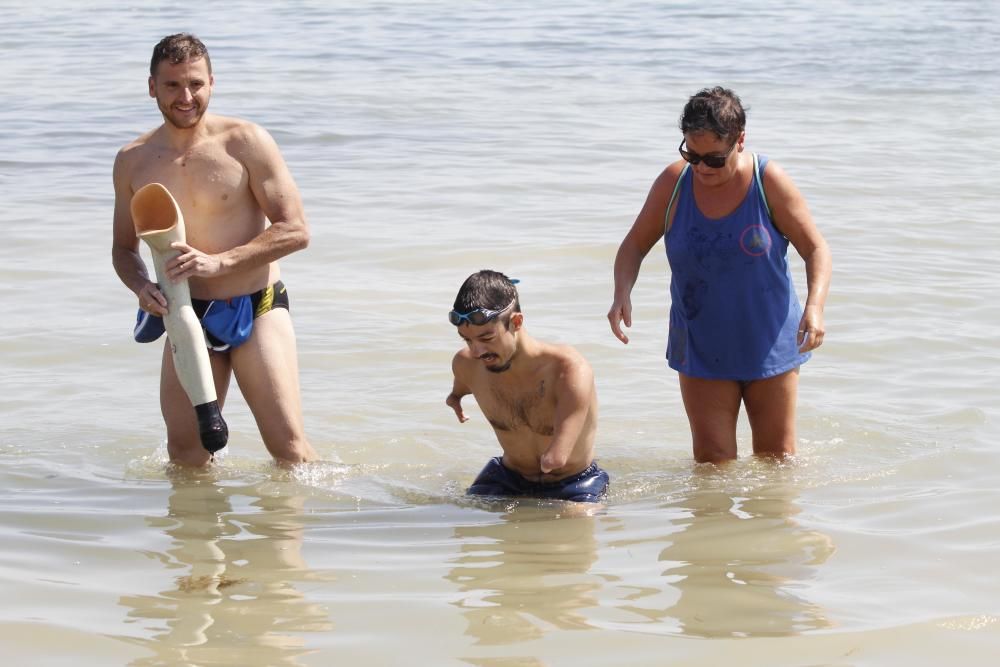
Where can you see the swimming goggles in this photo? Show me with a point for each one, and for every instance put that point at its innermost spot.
(711, 161)
(479, 316)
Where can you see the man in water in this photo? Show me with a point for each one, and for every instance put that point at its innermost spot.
(540, 398)
(228, 177)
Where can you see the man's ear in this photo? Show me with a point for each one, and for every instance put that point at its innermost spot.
(516, 321)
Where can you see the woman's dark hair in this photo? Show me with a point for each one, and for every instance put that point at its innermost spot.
(717, 110)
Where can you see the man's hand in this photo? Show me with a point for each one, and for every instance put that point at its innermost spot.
(151, 299)
(192, 263)
(454, 402)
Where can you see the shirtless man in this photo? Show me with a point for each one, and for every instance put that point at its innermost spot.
(540, 398)
(227, 176)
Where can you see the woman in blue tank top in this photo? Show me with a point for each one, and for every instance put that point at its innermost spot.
(737, 332)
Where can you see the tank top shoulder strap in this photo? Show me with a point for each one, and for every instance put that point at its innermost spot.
(759, 163)
(673, 197)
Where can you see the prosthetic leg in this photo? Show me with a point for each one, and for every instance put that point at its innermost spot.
(159, 222)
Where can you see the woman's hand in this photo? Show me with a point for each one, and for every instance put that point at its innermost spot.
(811, 329)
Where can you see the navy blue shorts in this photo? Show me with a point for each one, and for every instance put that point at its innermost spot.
(587, 486)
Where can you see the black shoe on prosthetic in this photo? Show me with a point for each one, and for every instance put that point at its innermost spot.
(211, 426)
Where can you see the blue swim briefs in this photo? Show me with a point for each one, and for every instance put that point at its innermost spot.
(227, 322)
(587, 486)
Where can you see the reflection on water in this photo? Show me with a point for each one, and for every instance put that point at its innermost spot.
(525, 575)
(234, 599)
(737, 563)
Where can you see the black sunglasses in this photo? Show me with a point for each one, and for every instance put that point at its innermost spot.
(479, 316)
(711, 161)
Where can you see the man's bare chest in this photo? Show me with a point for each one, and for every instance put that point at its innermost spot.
(530, 406)
(204, 182)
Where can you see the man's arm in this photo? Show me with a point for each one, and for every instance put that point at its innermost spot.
(273, 187)
(125, 244)
(458, 389)
(574, 387)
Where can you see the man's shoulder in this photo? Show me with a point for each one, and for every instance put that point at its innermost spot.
(231, 127)
(565, 353)
(137, 144)
(565, 359)
(133, 151)
(244, 139)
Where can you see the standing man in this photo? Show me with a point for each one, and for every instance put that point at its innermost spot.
(228, 178)
(540, 398)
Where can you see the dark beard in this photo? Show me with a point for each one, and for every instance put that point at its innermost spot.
(501, 369)
(170, 121)
(506, 366)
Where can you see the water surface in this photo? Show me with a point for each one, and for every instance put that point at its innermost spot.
(434, 139)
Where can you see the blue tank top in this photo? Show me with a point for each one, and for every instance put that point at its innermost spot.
(734, 314)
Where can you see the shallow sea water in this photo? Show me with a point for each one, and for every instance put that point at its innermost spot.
(433, 139)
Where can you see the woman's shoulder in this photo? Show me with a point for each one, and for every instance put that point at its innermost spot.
(668, 178)
(773, 175)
